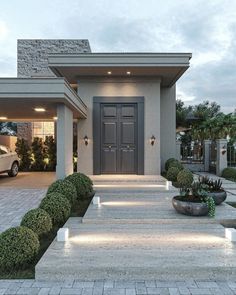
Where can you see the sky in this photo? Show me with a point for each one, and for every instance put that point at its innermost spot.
(206, 28)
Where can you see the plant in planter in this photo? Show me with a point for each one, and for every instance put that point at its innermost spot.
(194, 200)
(214, 189)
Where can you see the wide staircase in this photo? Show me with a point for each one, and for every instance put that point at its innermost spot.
(135, 234)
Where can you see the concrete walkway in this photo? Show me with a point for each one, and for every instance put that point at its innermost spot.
(137, 235)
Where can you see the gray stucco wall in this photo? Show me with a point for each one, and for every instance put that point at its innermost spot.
(168, 124)
(150, 89)
(32, 54)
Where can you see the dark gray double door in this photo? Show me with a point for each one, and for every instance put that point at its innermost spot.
(118, 135)
(119, 138)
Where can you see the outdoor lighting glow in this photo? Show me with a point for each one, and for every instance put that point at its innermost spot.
(63, 234)
(3, 118)
(127, 203)
(128, 73)
(109, 73)
(230, 234)
(39, 110)
(96, 200)
(168, 185)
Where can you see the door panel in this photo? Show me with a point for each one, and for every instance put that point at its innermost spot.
(127, 133)
(109, 160)
(128, 161)
(109, 133)
(119, 138)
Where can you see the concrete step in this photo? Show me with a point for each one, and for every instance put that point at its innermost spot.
(149, 208)
(140, 251)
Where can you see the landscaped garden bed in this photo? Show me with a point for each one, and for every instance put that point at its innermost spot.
(24, 245)
(196, 198)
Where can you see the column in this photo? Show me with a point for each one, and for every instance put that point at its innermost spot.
(64, 141)
(221, 156)
(206, 153)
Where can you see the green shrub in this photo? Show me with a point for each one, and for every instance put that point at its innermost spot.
(176, 164)
(229, 173)
(19, 246)
(57, 206)
(167, 163)
(24, 154)
(66, 188)
(172, 173)
(38, 220)
(37, 153)
(185, 178)
(83, 184)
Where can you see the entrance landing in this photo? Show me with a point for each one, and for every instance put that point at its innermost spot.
(137, 235)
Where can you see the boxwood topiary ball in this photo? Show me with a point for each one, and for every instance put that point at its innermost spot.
(38, 220)
(57, 206)
(172, 173)
(64, 187)
(19, 246)
(185, 178)
(167, 163)
(176, 164)
(83, 184)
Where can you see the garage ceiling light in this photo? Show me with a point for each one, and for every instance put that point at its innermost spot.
(128, 73)
(3, 118)
(109, 73)
(39, 110)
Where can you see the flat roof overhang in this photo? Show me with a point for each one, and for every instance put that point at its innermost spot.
(168, 67)
(20, 96)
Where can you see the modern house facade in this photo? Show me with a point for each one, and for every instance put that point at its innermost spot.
(122, 103)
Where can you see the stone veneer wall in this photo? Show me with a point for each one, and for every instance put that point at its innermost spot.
(32, 54)
(24, 130)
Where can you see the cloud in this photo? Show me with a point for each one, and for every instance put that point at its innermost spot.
(3, 30)
(205, 28)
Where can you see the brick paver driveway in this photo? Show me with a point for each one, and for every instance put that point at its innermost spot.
(20, 194)
(70, 287)
(14, 203)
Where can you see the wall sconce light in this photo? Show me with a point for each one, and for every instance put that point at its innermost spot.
(152, 140)
(223, 150)
(86, 140)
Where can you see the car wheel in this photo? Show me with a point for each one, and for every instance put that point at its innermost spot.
(14, 170)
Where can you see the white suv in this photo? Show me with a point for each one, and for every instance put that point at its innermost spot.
(9, 161)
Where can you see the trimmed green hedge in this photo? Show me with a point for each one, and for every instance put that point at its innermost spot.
(229, 173)
(172, 173)
(82, 183)
(64, 187)
(167, 163)
(38, 220)
(185, 178)
(57, 206)
(18, 247)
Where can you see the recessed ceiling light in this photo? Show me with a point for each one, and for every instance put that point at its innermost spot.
(39, 110)
(54, 118)
(128, 73)
(3, 118)
(109, 73)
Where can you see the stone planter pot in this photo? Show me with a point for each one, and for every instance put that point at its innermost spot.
(218, 197)
(189, 208)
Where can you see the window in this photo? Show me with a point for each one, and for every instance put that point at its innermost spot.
(43, 129)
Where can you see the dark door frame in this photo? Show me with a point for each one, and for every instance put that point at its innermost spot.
(97, 101)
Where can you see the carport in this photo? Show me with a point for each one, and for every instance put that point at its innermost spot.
(44, 99)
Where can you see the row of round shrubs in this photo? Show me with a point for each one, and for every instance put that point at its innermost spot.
(175, 172)
(229, 173)
(20, 245)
